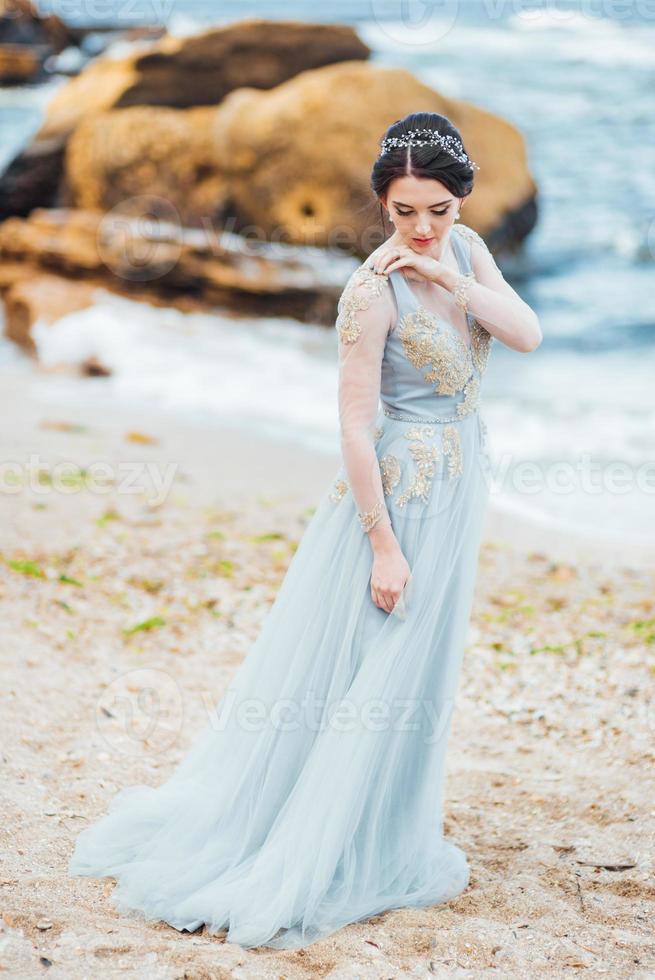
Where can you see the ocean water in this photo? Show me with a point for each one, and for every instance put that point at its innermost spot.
(572, 425)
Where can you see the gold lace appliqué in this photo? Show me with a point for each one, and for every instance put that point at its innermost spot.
(481, 339)
(452, 447)
(341, 486)
(390, 471)
(368, 519)
(469, 233)
(480, 345)
(425, 457)
(354, 300)
(339, 490)
(472, 236)
(425, 343)
(471, 398)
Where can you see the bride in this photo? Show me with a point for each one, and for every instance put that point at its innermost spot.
(313, 799)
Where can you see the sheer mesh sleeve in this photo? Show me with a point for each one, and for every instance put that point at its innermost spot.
(364, 317)
(472, 236)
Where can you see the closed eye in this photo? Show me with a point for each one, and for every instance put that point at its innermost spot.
(405, 213)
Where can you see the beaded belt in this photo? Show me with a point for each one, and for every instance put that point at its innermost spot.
(420, 418)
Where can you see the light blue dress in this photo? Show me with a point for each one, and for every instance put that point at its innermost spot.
(288, 818)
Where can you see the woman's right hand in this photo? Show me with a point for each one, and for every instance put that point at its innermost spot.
(388, 576)
(377, 259)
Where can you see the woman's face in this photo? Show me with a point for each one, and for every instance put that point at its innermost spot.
(423, 211)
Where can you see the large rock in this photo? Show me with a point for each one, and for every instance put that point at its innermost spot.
(298, 157)
(145, 257)
(43, 297)
(293, 164)
(203, 69)
(18, 64)
(175, 72)
(26, 40)
(21, 23)
(114, 156)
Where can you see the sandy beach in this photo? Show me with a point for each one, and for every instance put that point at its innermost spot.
(103, 590)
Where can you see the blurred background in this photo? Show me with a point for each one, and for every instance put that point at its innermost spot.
(184, 193)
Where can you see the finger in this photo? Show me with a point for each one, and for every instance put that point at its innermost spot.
(397, 264)
(388, 602)
(382, 264)
(378, 599)
(372, 259)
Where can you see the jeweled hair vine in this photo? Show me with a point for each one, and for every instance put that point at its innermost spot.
(428, 137)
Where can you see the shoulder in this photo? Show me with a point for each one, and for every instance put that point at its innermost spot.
(469, 235)
(480, 255)
(367, 283)
(365, 290)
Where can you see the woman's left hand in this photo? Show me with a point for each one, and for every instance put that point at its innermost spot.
(390, 256)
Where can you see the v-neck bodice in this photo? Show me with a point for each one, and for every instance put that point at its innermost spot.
(428, 368)
(462, 256)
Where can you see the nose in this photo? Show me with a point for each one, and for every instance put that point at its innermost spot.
(423, 230)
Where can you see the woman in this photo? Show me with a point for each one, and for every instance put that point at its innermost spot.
(314, 797)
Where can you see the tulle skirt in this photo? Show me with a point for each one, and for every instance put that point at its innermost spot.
(313, 798)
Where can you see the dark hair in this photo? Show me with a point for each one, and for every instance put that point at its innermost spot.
(422, 161)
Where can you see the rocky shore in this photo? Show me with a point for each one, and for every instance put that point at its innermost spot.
(217, 169)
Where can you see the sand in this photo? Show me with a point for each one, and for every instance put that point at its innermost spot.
(550, 765)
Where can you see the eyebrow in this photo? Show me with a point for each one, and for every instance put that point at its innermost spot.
(437, 205)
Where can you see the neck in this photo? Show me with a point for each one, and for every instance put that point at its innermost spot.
(439, 250)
